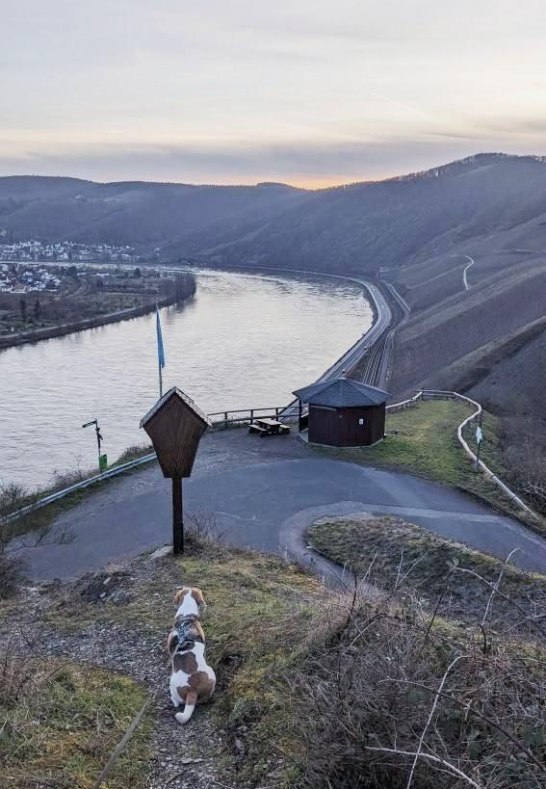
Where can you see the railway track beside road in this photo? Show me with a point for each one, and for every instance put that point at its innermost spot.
(374, 365)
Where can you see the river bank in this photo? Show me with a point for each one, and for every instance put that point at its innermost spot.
(62, 329)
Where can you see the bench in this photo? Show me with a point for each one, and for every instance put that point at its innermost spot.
(268, 427)
(255, 428)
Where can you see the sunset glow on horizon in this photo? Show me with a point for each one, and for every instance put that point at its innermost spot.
(312, 93)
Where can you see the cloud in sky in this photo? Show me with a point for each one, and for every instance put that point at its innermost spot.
(313, 91)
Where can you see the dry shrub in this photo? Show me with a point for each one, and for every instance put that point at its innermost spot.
(65, 479)
(394, 698)
(202, 534)
(12, 496)
(10, 566)
(524, 454)
(133, 452)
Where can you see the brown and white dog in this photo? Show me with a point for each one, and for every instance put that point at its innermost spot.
(192, 679)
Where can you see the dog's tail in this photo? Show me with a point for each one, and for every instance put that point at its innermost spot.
(191, 701)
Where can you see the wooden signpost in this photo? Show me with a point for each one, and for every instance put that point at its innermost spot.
(175, 425)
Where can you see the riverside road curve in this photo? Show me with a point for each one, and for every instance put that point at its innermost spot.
(263, 494)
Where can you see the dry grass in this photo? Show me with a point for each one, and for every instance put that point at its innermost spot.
(259, 611)
(396, 699)
(394, 553)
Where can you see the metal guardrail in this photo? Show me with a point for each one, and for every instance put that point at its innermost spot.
(243, 415)
(440, 394)
(85, 483)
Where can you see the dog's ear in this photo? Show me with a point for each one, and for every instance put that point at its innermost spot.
(197, 595)
(180, 594)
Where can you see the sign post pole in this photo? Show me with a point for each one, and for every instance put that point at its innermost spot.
(178, 520)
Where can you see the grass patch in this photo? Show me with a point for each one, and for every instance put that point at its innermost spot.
(422, 440)
(254, 636)
(60, 722)
(396, 555)
(133, 453)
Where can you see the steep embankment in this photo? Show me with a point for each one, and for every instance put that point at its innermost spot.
(315, 688)
(449, 332)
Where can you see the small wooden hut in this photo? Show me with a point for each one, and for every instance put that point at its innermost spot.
(343, 413)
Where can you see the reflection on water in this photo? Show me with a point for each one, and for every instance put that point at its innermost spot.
(245, 341)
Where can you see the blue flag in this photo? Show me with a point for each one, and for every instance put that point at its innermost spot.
(160, 349)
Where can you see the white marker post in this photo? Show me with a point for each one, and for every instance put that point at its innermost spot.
(479, 439)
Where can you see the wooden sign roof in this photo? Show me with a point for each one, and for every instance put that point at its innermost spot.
(175, 424)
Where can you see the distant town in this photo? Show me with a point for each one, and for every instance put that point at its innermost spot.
(64, 251)
(21, 273)
(47, 289)
(16, 278)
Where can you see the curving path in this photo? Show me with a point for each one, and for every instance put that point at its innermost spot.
(468, 265)
(263, 494)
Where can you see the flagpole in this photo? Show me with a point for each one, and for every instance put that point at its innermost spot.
(160, 381)
(160, 350)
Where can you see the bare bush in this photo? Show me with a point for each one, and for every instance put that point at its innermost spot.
(395, 698)
(524, 454)
(11, 498)
(202, 532)
(10, 566)
(133, 452)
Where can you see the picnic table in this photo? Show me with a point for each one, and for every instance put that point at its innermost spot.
(268, 427)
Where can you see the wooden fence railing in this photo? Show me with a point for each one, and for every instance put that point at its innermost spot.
(243, 416)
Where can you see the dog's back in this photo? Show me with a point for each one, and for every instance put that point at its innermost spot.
(192, 680)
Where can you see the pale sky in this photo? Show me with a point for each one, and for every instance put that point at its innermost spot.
(309, 92)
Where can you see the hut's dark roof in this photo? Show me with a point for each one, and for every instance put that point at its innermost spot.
(175, 392)
(342, 393)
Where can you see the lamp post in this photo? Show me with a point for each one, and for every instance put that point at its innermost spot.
(103, 460)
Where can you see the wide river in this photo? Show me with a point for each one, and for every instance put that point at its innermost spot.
(244, 341)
